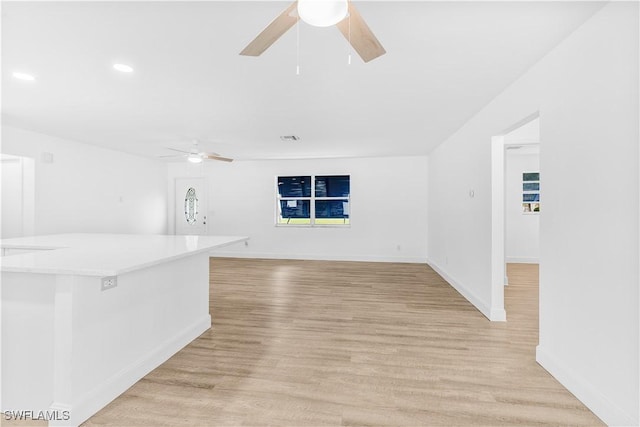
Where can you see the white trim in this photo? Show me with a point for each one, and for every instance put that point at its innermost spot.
(285, 225)
(107, 391)
(638, 235)
(498, 235)
(522, 260)
(495, 314)
(522, 141)
(320, 257)
(587, 393)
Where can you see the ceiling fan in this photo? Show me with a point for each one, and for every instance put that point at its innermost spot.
(197, 156)
(321, 13)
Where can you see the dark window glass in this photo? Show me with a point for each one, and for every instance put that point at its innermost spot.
(531, 176)
(294, 186)
(530, 186)
(534, 197)
(332, 186)
(332, 208)
(295, 208)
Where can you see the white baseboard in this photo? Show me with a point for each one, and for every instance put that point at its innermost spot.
(588, 394)
(498, 315)
(319, 257)
(103, 394)
(492, 314)
(522, 260)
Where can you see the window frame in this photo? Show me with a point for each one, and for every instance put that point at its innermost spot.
(312, 202)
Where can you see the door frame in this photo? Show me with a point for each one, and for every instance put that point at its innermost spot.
(498, 222)
(27, 191)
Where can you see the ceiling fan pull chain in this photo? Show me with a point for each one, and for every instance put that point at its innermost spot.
(349, 46)
(298, 47)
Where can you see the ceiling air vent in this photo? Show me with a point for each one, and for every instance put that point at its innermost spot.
(290, 138)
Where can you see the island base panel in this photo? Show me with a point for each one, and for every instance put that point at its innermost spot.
(81, 346)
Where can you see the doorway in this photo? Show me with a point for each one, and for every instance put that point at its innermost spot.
(18, 196)
(516, 203)
(522, 203)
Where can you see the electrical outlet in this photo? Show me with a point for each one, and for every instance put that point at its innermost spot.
(108, 282)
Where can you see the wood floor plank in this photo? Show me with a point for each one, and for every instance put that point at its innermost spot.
(314, 343)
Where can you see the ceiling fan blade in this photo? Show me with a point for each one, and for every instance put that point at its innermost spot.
(171, 155)
(204, 154)
(362, 38)
(213, 157)
(272, 32)
(179, 151)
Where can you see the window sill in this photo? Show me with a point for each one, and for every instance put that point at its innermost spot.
(313, 226)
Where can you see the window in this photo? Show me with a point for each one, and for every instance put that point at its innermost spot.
(191, 206)
(313, 200)
(530, 192)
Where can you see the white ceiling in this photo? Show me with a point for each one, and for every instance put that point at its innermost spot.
(445, 61)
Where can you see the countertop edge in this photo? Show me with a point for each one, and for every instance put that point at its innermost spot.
(105, 273)
(178, 256)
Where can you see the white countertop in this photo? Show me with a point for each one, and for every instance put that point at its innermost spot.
(103, 254)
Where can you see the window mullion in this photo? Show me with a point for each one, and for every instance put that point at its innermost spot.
(313, 200)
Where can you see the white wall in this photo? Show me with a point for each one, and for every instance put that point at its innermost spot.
(388, 208)
(586, 91)
(522, 229)
(91, 189)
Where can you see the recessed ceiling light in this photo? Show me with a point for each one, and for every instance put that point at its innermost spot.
(123, 67)
(23, 76)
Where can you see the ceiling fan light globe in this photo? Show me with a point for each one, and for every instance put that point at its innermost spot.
(194, 158)
(322, 13)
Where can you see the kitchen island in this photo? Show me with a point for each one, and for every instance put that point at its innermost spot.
(85, 316)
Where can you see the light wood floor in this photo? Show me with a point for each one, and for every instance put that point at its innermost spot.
(310, 343)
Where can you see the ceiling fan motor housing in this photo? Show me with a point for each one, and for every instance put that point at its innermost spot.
(322, 13)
